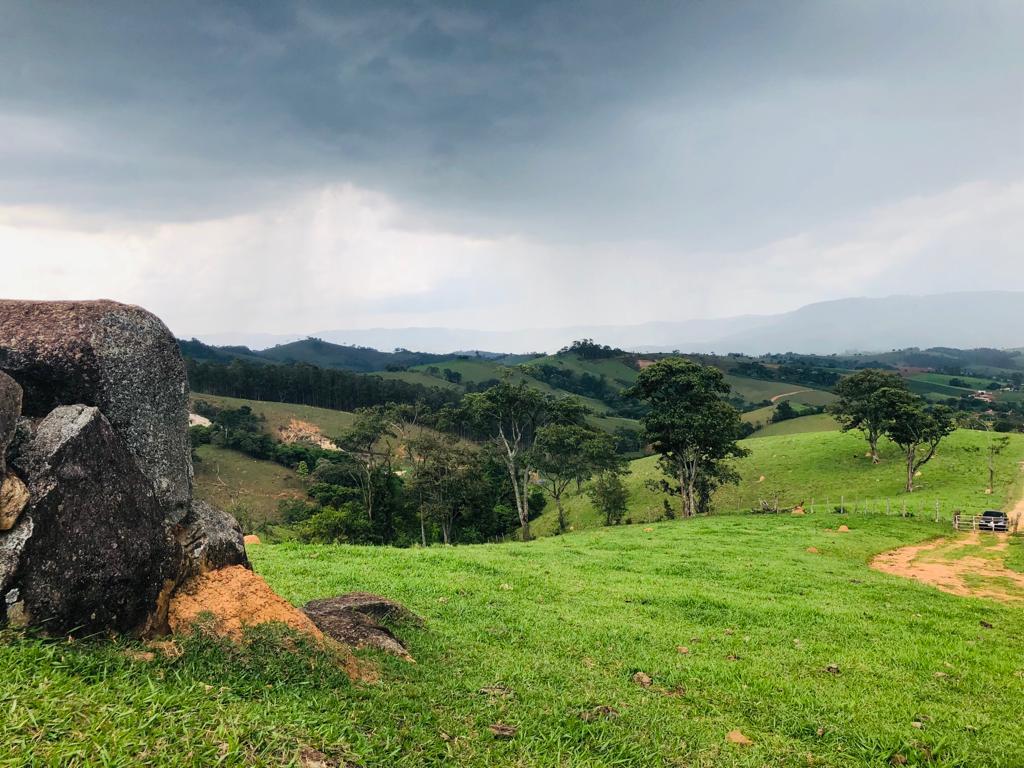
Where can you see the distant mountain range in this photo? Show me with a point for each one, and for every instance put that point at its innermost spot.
(964, 320)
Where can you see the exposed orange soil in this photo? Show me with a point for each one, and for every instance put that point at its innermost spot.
(231, 599)
(937, 563)
(299, 431)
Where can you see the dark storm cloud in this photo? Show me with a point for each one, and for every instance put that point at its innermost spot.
(702, 124)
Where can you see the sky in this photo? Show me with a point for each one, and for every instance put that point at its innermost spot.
(289, 167)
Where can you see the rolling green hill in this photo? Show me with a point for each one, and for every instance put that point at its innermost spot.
(817, 422)
(248, 488)
(830, 465)
(817, 659)
(280, 415)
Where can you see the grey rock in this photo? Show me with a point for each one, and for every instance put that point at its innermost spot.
(10, 411)
(91, 551)
(117, 357)
(353, 620)
(210, 539)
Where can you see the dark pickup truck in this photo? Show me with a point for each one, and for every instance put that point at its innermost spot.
(993, 520)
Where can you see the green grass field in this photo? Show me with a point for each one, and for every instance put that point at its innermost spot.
(245, 486)
(540, 636)
(830, 465)
(279, 415)
(757, 390)
(816, 422)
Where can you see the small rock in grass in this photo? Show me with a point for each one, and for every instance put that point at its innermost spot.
(737, 737)
(682, 649)
(502, 731)
(898, 759)
(603, 712)
(832, 669)
(940, 674)
(506, 586)
(314, 758)
(812, 550)
(497, 691)
(843, 528)
(642, 680)
(985, 624)
(728, 631)
(917, 724)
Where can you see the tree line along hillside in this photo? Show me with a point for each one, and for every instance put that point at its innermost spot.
(481, 458)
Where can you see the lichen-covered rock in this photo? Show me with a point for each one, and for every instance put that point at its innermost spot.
(210, 539)
(10, 411)
(353, 620)
(119, 358)
(91, 551)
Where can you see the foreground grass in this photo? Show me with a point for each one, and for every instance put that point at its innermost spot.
(564, 624)
(830, 466)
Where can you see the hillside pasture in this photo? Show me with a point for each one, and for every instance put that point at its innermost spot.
(249, 488)
(557, 638)
(829, 465)
(278, 416)
(759, 390)
(815, 422)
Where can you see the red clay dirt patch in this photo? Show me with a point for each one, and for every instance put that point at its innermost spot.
(942, 564)
(230, 599)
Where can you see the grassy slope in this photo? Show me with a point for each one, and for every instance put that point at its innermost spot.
(245, 486)
(829, 465)
(419, 377)
(279, 415)
(818, 422)
(756, 390)
(564, 624)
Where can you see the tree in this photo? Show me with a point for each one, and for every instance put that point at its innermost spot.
(866, 401)
(567, 453)
(369, 452)
(996, 445)
(510, 415)
(692, 425)
(609, 494)
(444, 479)
(784, 412)
(913, 427)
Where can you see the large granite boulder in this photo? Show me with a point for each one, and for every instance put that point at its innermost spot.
(13, 494)
(10, 411)
(117, 357)
(92, 550)
(210, 539)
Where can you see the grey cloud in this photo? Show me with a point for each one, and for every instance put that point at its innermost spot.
(703, 124)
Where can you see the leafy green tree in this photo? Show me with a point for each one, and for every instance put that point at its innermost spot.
(369, 448)
(784, 411)
(609, 494)
(866, 402)
(692, 425)
(510, 415)
(917, 429)
(568, 453)
(445, 480)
